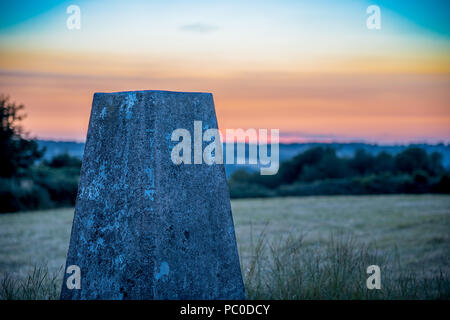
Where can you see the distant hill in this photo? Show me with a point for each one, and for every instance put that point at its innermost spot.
(53, 148)
(287, 151)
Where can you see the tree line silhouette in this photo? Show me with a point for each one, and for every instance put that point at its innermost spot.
(27, 182)
(320, 171)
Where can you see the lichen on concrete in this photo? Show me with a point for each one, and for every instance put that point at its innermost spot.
(145, 228)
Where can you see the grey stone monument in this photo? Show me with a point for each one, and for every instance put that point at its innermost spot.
(144, 227)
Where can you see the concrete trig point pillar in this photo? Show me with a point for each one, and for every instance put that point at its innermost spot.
(144, 227)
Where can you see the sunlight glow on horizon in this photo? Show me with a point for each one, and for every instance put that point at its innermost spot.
(313, 70)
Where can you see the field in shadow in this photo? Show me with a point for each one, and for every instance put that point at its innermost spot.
(290, 248)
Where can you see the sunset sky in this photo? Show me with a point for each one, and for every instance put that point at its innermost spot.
(310, 68)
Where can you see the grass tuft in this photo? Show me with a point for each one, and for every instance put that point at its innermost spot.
(288, 269)
(40, 284)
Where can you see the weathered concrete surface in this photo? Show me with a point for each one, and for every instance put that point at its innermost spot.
(145, 228)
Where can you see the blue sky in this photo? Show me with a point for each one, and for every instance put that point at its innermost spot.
(311, 67)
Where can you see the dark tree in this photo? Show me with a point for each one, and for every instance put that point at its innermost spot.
(16, 152)
(383, 162)
(362, 162)
(435, 166)
(411, 159)
(64, 160)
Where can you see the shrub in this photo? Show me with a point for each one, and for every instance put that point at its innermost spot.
(443, 185)
(22, 194)
(42, 187)
(248, 190)
(64, 160)
(61, 184)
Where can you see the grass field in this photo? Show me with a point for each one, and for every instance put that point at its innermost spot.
(310, 247)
